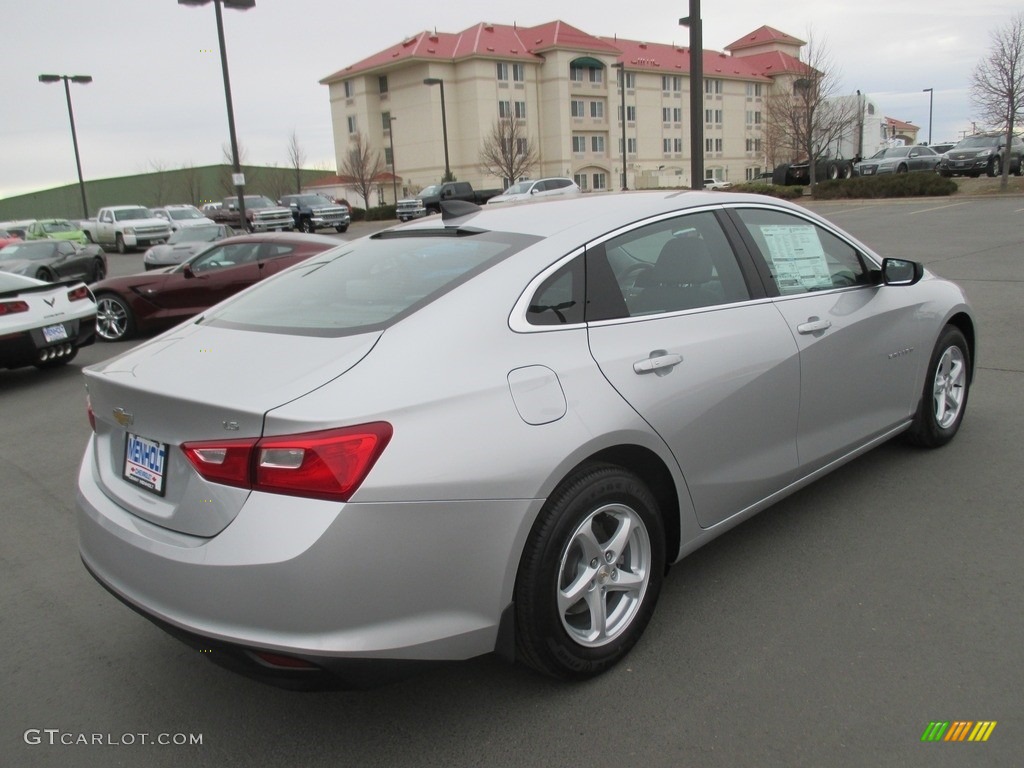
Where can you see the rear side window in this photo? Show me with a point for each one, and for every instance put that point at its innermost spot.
(366, 285)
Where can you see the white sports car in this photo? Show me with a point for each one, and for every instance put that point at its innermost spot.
(43, 324)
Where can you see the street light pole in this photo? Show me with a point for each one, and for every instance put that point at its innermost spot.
(696, 94)
(931, 96)
(391, 141)
(444, 125)
(84, 80)
(237, 177)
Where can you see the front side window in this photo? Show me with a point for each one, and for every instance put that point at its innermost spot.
(802, 256)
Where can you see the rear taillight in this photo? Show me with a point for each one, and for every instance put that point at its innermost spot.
(329, 464)
(78, 294)
(13, 307)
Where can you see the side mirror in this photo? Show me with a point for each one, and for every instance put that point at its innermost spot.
(187, 272)
(901, 272)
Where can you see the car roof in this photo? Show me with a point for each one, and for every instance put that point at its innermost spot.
(593, 212)
(280, 237)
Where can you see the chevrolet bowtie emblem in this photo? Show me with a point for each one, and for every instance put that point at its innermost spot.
(122, 417)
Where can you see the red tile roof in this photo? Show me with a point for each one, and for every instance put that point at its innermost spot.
(762, 36)
(512, 42)
(900, 125)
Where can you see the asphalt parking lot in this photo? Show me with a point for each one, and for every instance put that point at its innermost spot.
(827, 631)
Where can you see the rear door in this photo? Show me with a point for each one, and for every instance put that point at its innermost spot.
(680, 328)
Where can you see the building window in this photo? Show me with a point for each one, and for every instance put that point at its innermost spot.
(580, 179)
(666, 114)
(677, 115)
(677, 145)
(504, 109)
(382, 83)
(718, 116)
(518, 73)
(350, 89)
(757, 118)
(521, 145)
(597, 109)
(576, 74)
(708, 114)
(630, 146)
(753, 145)
(597, 145)
(631, 81)
(666, 146)
(596, 75)
(753, 118)
(576, 108)
(718, 145)
(579, 144)
(388, 160)
(385, 119)
(600, 181)
(708, 145)
(502, 68)
(671, 83)
(713, 86)
(352, 124)
(754, 90)
(520, 110)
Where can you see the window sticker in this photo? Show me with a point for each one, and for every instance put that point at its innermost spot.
(797, 258)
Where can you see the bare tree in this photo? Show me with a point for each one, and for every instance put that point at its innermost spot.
(158, 170)
(191, 184)
(508, 152)
(296, 159)
(997, 85)
(363, 164)
(804, 112)
(276, 182)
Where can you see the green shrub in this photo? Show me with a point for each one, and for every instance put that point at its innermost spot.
(381, 213)
(358, 214)
(773, 190)
(894, 185)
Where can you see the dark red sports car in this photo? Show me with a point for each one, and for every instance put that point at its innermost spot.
(158, 299)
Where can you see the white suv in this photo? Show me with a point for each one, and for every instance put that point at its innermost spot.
(536, 188)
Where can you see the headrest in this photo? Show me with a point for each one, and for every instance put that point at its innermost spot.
(684, 260)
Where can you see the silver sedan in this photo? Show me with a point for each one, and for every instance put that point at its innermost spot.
(493, 430)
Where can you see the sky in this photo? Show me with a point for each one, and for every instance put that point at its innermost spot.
(157, 97)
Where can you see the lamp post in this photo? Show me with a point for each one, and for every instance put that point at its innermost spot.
(696, 94)
(931, 97)
(391, 141)
(444, 125)
(621, 66)
(82, 80)
(237, 178)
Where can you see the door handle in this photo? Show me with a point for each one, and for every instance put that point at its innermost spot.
(814, 325)
(657, 363)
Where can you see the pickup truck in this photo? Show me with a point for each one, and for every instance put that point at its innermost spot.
(311, 212)
(429, 200)
(127, 227)
(261, 215)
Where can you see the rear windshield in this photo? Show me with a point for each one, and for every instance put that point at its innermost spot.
(366, 285)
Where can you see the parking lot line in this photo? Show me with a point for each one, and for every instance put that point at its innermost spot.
(938, 208)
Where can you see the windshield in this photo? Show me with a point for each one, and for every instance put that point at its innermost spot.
(519, 189)
(978, 141)
(433, 189)
(182, 214)
(31, 251)
(130, 214)
(258, 202)
(891, 152)
(366, 285)
(200, 234)
(58, 226)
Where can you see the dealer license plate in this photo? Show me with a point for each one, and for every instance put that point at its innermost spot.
(55, 333)
(145, 462)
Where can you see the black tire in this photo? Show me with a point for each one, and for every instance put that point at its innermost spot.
(45, 275)
(99, 271)
(1020, 166)
(569, 546)
(995, 167)
(946, 386)
(114, 318)
(119, 242)
(901, 169)
(780, 175)
(945, 174)
(307, 225)
(832, 172)
(342, 228)
(846, 171)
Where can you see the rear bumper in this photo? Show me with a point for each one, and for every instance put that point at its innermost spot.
(339, 585)
(29, 347)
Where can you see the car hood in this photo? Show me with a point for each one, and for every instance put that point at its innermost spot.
(22, 266)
